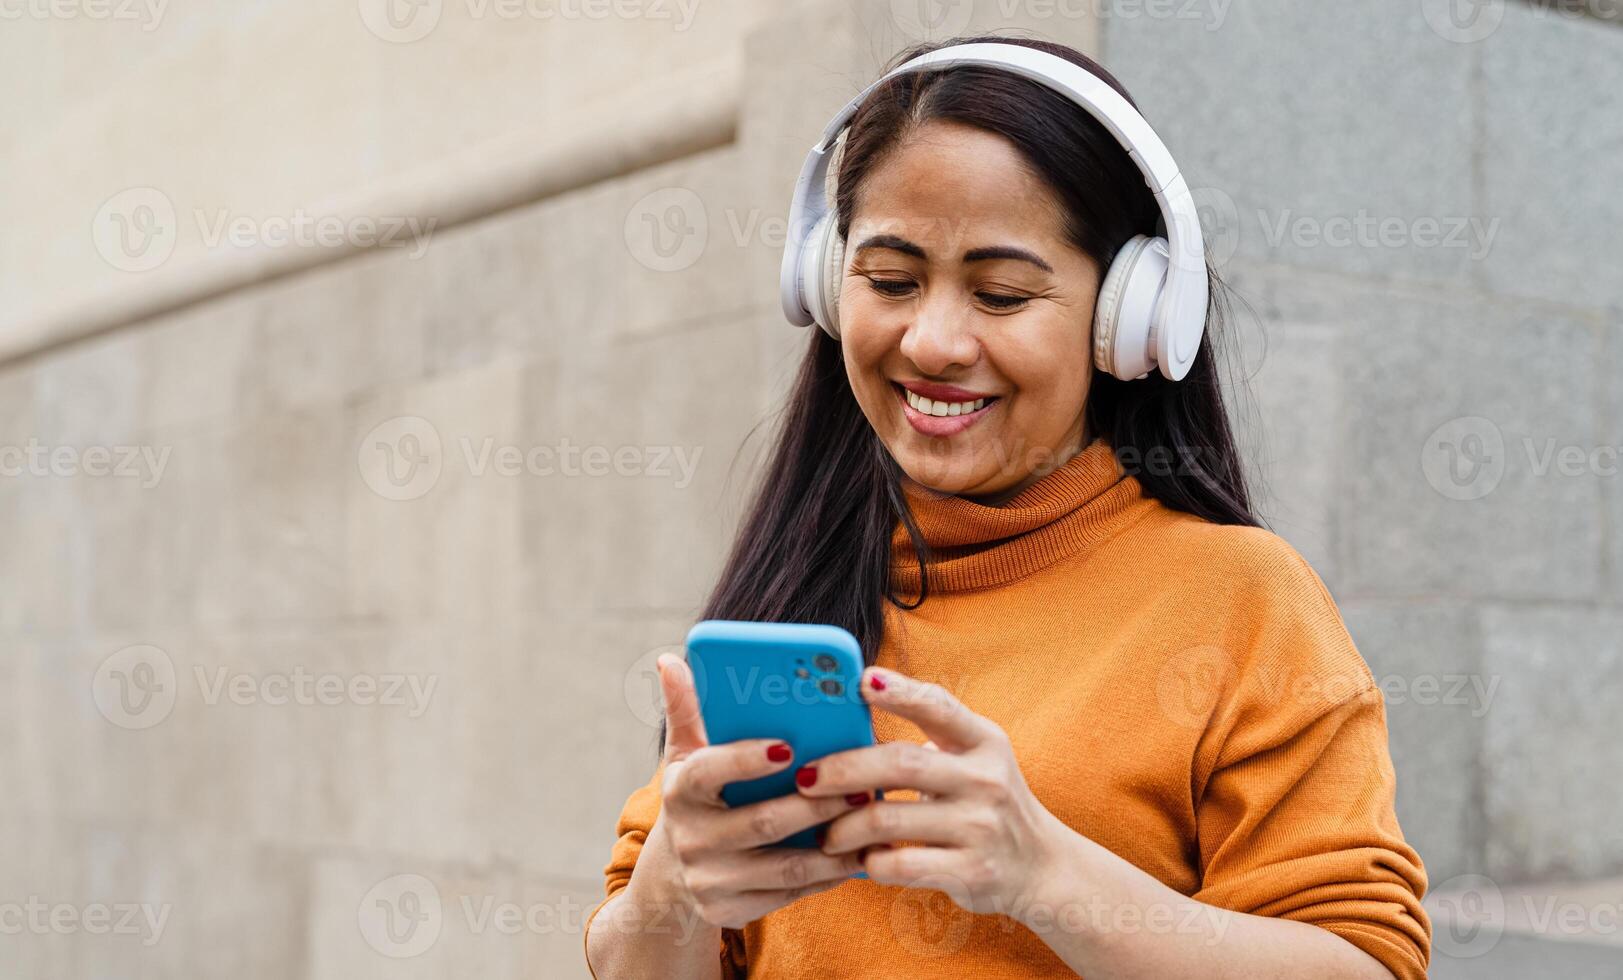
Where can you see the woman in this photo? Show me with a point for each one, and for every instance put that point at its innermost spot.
(1123, 730)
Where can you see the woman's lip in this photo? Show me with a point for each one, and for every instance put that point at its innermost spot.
(939, 425)
(943, 393)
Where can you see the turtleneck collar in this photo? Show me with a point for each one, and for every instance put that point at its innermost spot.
(975, 546)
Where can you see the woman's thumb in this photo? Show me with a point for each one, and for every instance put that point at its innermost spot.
(684, 727)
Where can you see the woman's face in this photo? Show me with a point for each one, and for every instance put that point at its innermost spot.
(961, 289)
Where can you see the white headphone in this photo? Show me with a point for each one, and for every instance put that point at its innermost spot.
(1151, 310)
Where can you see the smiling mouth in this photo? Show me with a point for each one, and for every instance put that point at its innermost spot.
(941, 418)
(941, 409)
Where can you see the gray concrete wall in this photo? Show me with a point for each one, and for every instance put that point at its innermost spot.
(193, 654)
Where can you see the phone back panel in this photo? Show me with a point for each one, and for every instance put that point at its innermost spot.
(795, 682)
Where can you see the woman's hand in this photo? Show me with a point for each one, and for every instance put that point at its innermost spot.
(984, 837)
(715, 854)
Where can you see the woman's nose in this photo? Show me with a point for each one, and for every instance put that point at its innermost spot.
(940, 337)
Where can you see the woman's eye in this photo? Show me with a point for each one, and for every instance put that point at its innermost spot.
(1001, 301)
(891, 287)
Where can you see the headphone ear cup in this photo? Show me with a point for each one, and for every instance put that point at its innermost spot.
(1127, 301)
(833, 278)
(822, 265)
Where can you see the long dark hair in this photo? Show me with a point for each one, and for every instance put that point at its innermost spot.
(815, 543)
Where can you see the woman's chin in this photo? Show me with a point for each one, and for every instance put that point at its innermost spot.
(945, 474)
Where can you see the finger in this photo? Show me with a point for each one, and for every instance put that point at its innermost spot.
(684, 726)
(770, 821)
(906, 865)
(774, 869)
(926, 797)
(708, 769)
(740, 910)
(889, 765)
(932, 707)
(885, 823)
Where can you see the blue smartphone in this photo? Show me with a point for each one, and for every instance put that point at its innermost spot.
(797, 682)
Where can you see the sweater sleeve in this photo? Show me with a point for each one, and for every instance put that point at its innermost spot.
(631, 830)
(1295, 816)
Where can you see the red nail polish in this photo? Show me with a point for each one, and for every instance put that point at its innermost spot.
(778, 753)
(876, 682)
(806, 777)
(858, 799)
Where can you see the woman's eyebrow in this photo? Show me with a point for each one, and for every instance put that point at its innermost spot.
(1006, 252)
(893, 242)
(899, 244)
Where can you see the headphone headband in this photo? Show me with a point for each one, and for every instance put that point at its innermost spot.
(1179, 315)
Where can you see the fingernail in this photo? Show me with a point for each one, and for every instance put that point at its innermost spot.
(806, 777)
(876, 682)
(778, 753)
(858, 799)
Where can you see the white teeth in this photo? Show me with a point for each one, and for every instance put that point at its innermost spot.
(941, 409)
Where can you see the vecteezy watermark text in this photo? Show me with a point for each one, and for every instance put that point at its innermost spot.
(1466, 457)
(136, 230)
(36, 916)
(404, 915)
(143, 463)
(406, 21)
(402, 458)
(147, 13)
(137, 687)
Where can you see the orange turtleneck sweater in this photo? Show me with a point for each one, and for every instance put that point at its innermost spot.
(1183, 693)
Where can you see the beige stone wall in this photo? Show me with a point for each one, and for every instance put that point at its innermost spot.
(167, 743)
(154, 149)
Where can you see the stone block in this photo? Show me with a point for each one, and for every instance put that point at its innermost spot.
(1301, 135)
(1550, 72)
(1428, 660)
(1550, 797)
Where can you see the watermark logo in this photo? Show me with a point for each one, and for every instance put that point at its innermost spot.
(135, 688)
(135, 230)
(641, 685)
(1190, 682)
(666, 230)
(1464, 458)
(1468, 916)
(401, 21)
(1463, 21)
(401, 458)
(925, 20)
(401, 916)
(1219, 224)
(927, 917)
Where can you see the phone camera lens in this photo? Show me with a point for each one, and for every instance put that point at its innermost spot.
(831, 687)
(826, 663)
